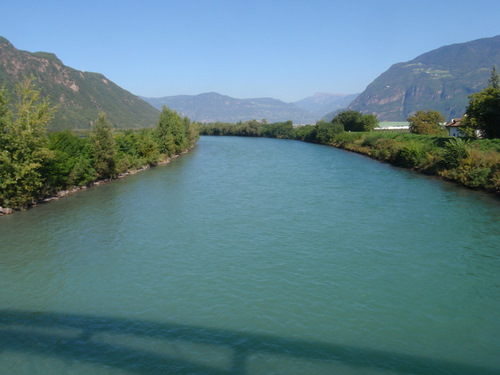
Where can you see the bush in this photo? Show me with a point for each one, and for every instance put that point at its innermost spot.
(386, 149)
(455, 150)
(411, 155)
(478, 177)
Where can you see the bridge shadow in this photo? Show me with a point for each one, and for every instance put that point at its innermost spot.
(162, 348)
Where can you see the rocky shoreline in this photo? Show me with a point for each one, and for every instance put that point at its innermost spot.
(64, 193)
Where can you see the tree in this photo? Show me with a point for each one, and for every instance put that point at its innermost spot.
(23, 145)
(72, 163)
(170, 132)
(494, 79)
(426, 122)
(104, 151)
(355, 121)
(370, 122)
(483, 111)
(326, 131)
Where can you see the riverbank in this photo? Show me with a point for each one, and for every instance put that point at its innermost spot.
(67, 192)
(474, 164)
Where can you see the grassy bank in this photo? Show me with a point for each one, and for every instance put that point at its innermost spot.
(474, 163)
(471, 163)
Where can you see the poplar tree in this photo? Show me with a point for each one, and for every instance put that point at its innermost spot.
(494, 79)
(104, 151)
(170, 132)
(23, 145)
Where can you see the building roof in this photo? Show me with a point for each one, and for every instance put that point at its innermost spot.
(455, 122)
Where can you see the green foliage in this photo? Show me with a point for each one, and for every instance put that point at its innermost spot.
(72, 163)
(494, 80)
(410, 155)
(355, 121)
(172, 132)
(80, 95)
(471, 163)
(35, 164)
(24, 145)
(426, 122)
(277, 130)
(326, 131)
(370, 122)
(103, 146)
(455, 150)
(483, 111)
(305, 133)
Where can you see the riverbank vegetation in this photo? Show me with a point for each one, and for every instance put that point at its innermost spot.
(469, 161)
(35, 164)
(474, 163)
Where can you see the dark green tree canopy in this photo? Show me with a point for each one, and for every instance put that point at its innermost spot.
(23, 145)
(494, 79)
(483, 111)
(355, 121)
(104, 148)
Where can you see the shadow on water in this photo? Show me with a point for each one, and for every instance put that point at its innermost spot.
(110, 342)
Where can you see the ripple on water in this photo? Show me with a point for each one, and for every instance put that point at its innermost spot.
(250, 244)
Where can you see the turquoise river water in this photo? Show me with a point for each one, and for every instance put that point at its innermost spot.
(255, 256)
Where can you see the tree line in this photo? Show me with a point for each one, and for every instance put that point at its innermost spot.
(322, 132)
(481, 118)
(428, 149)
(36, 163)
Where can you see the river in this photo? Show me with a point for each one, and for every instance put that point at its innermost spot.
(255, 256)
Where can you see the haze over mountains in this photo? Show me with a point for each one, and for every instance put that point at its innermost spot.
(438, 80)
(213, 107)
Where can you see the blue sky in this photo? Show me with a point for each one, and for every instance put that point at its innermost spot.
(282, 49)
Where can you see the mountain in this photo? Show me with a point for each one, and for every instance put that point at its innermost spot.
(213, 107)
(439, 80)
(79, 96)
(322, 103)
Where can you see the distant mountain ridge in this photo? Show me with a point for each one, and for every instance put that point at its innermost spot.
(439, 80)
(213, 107)
(323, 103)
(79, 96)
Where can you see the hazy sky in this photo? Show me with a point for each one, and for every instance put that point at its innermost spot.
(285, 49)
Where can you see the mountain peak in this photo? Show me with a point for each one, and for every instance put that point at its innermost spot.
(441, 80)
(79, 96)
(5, 42)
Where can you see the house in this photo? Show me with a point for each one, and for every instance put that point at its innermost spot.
(454, 127)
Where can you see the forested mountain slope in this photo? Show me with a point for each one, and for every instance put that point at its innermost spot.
(79, 96)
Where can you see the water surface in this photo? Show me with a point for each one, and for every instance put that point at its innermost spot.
(255, 256)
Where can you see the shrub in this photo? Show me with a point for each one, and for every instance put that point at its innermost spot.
(455, 150)
(411, 155)
(386, 149)
(478, 177)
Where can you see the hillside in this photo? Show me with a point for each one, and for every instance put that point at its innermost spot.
(322, 103)
(440, 80)
(80, 96)
(213, 107)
